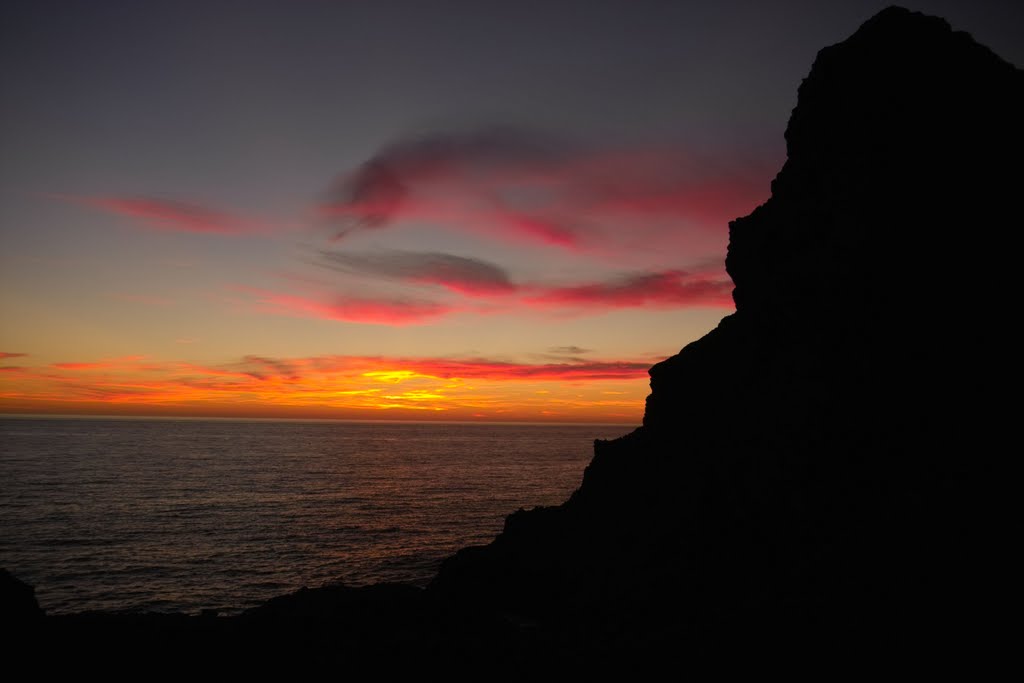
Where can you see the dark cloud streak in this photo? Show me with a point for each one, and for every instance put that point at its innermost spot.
(528, 186)
(468, 276)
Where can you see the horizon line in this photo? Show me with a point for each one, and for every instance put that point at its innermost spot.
(219, 418)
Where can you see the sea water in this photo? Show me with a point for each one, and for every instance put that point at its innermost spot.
(188, 514)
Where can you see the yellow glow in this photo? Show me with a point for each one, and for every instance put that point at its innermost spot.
(394, 375)
(341, 387)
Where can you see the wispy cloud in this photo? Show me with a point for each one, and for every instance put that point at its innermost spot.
(526, 186)
(460, 274)
(463, 387)
(396, 312)
(385, 369)
(7, 354)
(481, 279)
(124, 362)
(482, 368)
(489, 290)
(568, 350)
(173, 215)
(668, 289)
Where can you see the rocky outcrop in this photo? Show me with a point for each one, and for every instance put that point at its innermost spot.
(17, 600)
(818, 459)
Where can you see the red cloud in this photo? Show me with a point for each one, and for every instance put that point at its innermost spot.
(342, 386)
(522, 186)
(358, 310)
(481, 280)
(297, 369)
(669, 289)
(6, 354)
(478, 368)
(82, 366)
(162, 214)
(100, 364)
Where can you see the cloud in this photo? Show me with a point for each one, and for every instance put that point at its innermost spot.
(526, 186)
(479, 278)
(467, 276)
(568, 350)
(82, 365)
(668, 289)
(379, 188)
(123, 362)
(398, 369)
(478, 368)
(492, 291)
(397, 312)
(7, 354)
(272, 366)
(344, 386)
(174, 216)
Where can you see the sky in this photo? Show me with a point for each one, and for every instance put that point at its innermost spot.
(386, 210)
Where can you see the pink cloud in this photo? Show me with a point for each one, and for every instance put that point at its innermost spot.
(482, 280)
(522, 186)
(396, 312)
(481, 368)
(296, 369)
(669, 289)
(174, 216)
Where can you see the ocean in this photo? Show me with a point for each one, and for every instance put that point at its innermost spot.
(191, 514)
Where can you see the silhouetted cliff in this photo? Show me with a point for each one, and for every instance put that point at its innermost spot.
(816, 459)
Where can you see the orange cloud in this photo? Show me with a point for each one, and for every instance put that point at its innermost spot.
(361, 387)
(98, 365)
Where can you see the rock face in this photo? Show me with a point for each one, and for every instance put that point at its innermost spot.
(818, 459)
(17, 601)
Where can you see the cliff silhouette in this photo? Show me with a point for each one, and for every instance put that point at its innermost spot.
(815, 461)
(818, 466)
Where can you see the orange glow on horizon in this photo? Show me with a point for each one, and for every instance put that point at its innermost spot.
(335, 386)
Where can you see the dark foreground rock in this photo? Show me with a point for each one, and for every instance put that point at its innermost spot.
(18, 602)
(818, 462)
(815, 470)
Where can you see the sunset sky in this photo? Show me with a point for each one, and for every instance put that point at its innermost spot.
(385, 210)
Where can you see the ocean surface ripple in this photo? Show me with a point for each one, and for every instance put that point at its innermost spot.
(184, 515)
